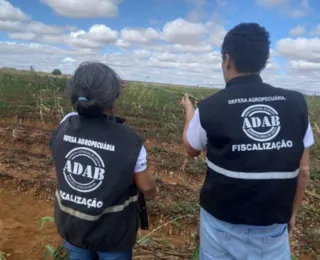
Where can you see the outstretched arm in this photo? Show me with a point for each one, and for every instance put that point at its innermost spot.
(194, 137)
(189, 115)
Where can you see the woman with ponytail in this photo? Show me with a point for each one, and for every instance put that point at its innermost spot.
(101, 167)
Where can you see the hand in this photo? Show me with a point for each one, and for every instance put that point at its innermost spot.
(186, 102)
(124, 84)
(292, 225)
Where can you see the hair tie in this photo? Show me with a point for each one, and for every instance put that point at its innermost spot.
(82, 99)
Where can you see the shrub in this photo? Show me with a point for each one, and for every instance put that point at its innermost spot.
(56, 72)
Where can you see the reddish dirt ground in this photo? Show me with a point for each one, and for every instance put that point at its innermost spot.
(19, 225)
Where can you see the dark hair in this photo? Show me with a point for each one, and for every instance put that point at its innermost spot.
(94, 88)
(248, 45)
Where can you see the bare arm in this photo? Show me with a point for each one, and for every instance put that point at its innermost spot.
(146, 184)
(303, 179)
(304, 176)
(189, 112)
(191, 151)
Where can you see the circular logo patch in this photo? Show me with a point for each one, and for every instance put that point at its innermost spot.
(84, 169)
(261, 122)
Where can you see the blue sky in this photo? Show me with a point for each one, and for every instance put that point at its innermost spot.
(174, 41)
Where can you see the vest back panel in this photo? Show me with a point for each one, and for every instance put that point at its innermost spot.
(96, 199)
(255, 142)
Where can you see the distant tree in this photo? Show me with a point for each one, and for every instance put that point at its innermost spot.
(32, 68)
(56, 72)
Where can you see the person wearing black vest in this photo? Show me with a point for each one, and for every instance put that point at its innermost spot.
(101, 166)
(256, 137)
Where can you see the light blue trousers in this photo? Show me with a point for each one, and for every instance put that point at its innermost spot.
(76, 253)
(223, 241)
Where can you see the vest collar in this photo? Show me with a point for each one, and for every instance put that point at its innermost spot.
(120, 120)
(253, 78)
(109, 118)
(116, 119)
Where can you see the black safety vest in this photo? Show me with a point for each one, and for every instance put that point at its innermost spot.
(255, 142)
(96, 199)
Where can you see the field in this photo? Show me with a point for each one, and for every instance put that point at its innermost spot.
(31, 107)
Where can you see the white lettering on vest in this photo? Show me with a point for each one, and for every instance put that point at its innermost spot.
(255, 100)
(90, 203)
(262, 146)
(77, 169)
(90, 143)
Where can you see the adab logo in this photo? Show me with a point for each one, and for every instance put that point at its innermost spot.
(84, 169)
(261, 122)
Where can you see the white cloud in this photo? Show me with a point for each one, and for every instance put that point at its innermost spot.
(217, 33)
(300, 49)
(188, 58)
(177, 36)
(77, 33)
(202, 47)
(141, 53)
(300, 80)
(183, 32)
(32, 27)
(42, 57)
(272, 3)
(84, 8)
(10, 13)
(102, 33)
(272, 66)
(167, 57)
(168, 68)
(23, 36)
(303, 56)
(273, 53)
(79, 42)
(297, 31)
(53, 39)
(133, 65)
(162, 67)
(305, 65)
(11, 26)
(180, 35)
(141, 36)
(122, 43)
(97, 36)
(41, 28)
(68, 60)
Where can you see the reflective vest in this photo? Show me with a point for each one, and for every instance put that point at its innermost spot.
(96, 200)
(255, 142)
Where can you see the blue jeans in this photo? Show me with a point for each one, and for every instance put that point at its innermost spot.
(76, 253)
(225, 241)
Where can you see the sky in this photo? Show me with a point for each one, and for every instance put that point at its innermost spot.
(165, 41)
